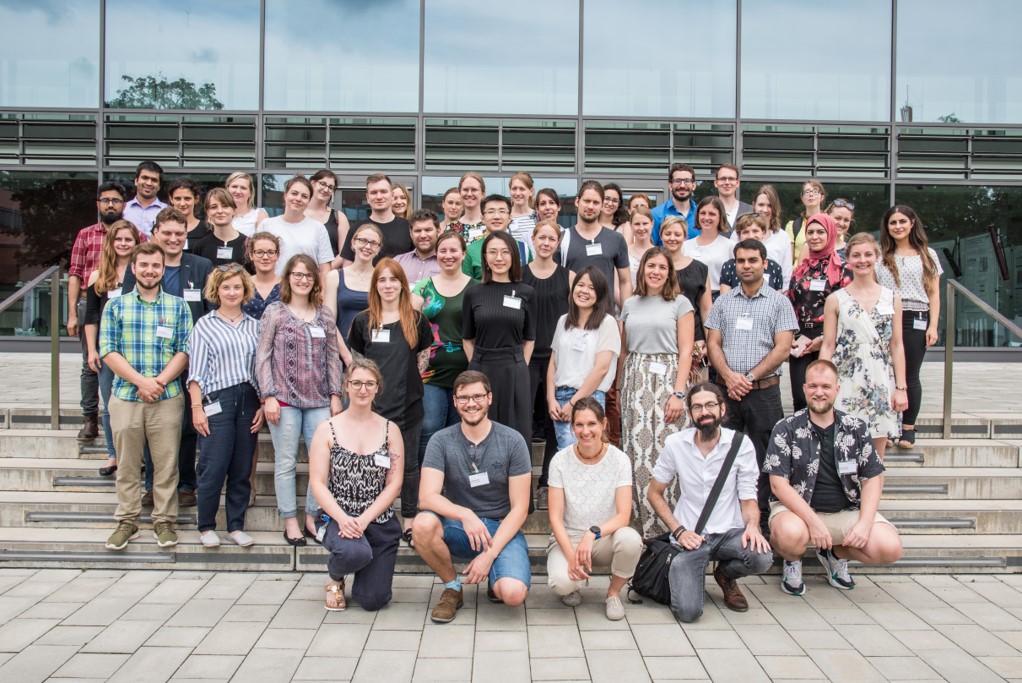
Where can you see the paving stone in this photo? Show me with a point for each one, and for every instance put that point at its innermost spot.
(555, 641)
(12, 607)
(36, 663)
(151, 664)
(1003, 666)
(499, 618)
(560, 669)
(793, 616)
(226, 586)
(269, 666)
(220, 667)
(69, 635)
(778, 668)
(904, 668)
(661, 640)
(676, 669)
(285, 639)
(873, 641)
(768, 640)
(174, 591)
(122, 637)
(18, 634)
(617, 665)
(207, 613)
(178, 636)
(267, 592)
(715, 640)
(511, 665)
(940, 615)
(948, 589)
(50, 610)
(819, 640)
(82, 665)
(501, 641)
(845, 665)
(230, 638)
(563, 616)
(102, 611)
(733, 665)
(447, 640)
(958, 665)
(442, 670)
(990, 617)
(976, 640)
(326, 669)
(1012, 638)
(995, 591)
(922, 640)
(261, 613)
(608, 640)
(402, 641)
(406, 616)
(339, 640)
(381, 665)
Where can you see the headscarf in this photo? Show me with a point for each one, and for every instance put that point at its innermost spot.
(834, 266)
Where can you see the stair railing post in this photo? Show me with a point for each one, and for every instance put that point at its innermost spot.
(949, 356)
(55, 349)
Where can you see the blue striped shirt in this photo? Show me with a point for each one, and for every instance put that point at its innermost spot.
(148, 335)
(222, 355)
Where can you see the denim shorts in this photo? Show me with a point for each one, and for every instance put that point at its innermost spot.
(512, 562)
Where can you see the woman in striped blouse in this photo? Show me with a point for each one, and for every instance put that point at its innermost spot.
(225, 407)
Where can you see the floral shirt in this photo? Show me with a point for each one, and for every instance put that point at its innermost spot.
(809, 298)
(794, 454)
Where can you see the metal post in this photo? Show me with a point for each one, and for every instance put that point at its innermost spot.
(949, 356)
(55, 349)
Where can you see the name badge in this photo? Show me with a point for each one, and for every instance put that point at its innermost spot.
(658, 368)
(479, 479)
(918, 324)
(212, 409)
(744, 324)
(382, 461)
(380, 336)
(512, 302)
(847, 467)
(884, 308)
(185, 247)
(317, 332)
(817, 285)
(193, 295)
(225, 253)
(594, 249)
(113, 293)
(164, 332)
(321, 533)
(580, 344)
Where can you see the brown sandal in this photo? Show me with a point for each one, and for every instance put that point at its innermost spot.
(335, 597)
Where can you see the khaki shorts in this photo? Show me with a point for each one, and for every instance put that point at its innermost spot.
(838, 523)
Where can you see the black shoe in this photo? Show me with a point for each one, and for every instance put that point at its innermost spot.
(907, 439)
(89, 430)
(296, 542)
(107, 471)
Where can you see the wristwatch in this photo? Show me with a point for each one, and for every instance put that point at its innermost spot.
(679, 395)
(596, 531)
(751, 377)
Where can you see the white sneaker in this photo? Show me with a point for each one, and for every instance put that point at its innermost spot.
(209, 539)
(837, 570)
(572, 599)
(615, 609)
(241, 538)
(791, 582)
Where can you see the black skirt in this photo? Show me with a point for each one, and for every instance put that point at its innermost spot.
(509, 381)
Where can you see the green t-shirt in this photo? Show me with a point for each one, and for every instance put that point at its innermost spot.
(447, 357)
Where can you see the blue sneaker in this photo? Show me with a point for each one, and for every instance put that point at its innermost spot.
(837, 570)
(791, 582)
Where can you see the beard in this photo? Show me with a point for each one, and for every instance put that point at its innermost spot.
(110, 218)
(820, 407)
(708, 427)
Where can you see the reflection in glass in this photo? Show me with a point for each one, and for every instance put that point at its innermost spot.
(636, 63)
(342, 55)
(805, 59)
(498, 59)
(944, 76)
(49, 56)
(182, 54)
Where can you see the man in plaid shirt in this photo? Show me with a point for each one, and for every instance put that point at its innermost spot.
(84, 259)
(144, 340)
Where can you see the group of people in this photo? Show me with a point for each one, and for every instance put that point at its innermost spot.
(419, 357)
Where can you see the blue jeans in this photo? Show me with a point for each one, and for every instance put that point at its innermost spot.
(226, 454)
(512, 562)
(687, 574)
(295, 423)
(438, 403)
(565, 434)
(106, 382)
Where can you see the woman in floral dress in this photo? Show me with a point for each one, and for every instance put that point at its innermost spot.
(862, 337)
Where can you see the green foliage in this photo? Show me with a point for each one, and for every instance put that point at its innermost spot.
(156, 92)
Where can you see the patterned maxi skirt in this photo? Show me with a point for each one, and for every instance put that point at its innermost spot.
(644, 397)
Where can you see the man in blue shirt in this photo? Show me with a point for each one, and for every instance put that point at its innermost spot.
(143, 208)
(682, 179)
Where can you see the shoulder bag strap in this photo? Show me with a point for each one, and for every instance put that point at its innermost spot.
(736, 443)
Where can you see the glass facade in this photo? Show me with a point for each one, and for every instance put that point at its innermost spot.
(887, 101)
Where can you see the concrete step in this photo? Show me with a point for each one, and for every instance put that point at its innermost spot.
(955, 483)
(956, 453)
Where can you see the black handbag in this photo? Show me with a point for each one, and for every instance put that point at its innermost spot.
(651, 578)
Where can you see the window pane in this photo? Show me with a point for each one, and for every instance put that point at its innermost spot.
(498, 59)
(342, 55)
(943, 76)
(182, 54)
(49, 56)
(803, 59)
(635, 64)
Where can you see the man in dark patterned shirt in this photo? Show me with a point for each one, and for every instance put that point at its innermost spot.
(826, 480)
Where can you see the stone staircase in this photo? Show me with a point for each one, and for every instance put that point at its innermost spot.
(957, 503)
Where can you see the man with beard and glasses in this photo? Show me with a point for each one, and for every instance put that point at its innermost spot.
(731, 536)
(144, 340)
(682, 184)
(474, 496)
(85, 255)
(826, 480)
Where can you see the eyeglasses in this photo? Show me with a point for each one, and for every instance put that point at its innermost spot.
(683, 181)
(503, 252)
(727, 179)
(108, 202)
(810, 192)
(232, 268)
(611, 200)
(322, 184)
(363, 242)
(703, 407)
(302, 277)
(357, 384)
(264, 254)
(845, 203)
(496, 212)
(475, 398)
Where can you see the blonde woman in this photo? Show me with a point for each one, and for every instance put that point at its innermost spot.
(242, 189)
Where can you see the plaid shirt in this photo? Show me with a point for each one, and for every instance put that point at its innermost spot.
(87, 250)
(769, 311)
(139, 331)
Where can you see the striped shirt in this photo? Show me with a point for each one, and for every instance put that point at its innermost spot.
(220, 354)
(745, 345)
(521, 227)
(148, 335)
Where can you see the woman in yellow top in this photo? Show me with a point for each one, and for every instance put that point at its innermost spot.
(813, 196)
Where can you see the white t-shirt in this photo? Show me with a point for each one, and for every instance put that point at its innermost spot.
(305, 237)
(575, 352)
(246, 224)
(714, 255)
(589, 490)
(778, 246)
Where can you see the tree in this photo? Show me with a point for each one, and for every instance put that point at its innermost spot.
(949, 118)
(156, 92)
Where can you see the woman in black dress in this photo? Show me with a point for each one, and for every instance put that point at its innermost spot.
(397, 338)
(499, 332)
(552, 283)
(694, 278)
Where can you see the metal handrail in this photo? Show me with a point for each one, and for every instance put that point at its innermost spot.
(53, 273)
(953, 287)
